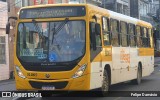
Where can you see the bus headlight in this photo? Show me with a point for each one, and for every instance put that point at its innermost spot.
(19, 72)
(80, 71)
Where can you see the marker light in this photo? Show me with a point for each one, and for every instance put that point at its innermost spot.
(19, 72)
(80, 71)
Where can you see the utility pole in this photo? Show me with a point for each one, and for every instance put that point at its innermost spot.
(158, 38)
(159, 12)
(104, 4)
(157, 34)
(158, 20)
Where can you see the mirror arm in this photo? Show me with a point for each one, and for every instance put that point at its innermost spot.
(8, 24)
(15, 18)
(94, 17)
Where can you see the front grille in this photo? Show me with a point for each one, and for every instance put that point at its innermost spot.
(57, 85)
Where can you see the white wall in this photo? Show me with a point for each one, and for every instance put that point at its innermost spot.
(4, 68)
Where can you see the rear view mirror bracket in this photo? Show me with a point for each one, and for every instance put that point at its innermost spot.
(8, 24)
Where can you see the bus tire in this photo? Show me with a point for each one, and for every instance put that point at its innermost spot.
(105, 84)
(137, 81)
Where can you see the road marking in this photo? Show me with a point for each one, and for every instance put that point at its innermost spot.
(117, 98)
(16, 98)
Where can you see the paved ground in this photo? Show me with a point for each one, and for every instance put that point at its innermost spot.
(150, 83)
(157, 60)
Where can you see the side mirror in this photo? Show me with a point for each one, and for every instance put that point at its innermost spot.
(98, 29)
(7, 28)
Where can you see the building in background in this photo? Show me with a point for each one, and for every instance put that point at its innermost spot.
(140, 9)
(153, 8)
(144, 10)
(145, 7)
(120, 6)
(4, 54)
(134, 8)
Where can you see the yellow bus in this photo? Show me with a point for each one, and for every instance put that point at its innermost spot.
(79, 47)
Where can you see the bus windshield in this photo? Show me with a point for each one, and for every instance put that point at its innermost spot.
(51, 41)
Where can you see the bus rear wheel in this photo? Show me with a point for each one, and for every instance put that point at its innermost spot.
(137, 81)
(105, 84)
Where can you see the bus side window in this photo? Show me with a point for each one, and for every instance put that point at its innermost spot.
(144, 37)
(147, 38)
(106, 31)
(150, 39)
(139, 36)
(124, 34)
(132, 36)
(115, 33)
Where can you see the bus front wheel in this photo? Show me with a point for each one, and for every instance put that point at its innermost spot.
(105, 84)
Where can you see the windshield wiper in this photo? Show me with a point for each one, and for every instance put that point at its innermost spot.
(55, 31)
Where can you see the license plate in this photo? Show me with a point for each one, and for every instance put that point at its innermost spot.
(48, 88)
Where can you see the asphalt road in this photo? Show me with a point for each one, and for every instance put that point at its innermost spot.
(149, 83)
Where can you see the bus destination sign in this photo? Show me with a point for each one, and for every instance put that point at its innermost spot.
(52, 12)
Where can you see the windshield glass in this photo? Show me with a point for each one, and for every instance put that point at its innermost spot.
(51, 41)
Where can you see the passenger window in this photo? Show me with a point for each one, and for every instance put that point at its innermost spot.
(150, 39)
(139, 36)
(145, 37)
(106, 33)
(132, 36)
(115, 33)
(105, 24)
(124, 34)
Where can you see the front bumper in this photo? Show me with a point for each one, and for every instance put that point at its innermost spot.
(78, 84)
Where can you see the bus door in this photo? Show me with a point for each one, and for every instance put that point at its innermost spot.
(95, 55)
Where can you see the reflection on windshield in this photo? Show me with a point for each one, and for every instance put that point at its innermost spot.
(68, 43)
(32, 44)
(36, 45)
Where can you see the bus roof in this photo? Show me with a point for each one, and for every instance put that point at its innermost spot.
(120, 17)
(102, 11)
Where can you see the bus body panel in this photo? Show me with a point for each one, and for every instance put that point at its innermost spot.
(123, 61)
